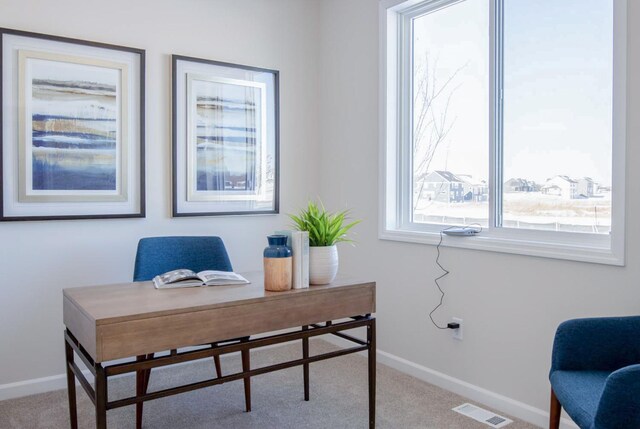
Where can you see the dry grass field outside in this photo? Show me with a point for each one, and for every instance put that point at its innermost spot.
(529, 210)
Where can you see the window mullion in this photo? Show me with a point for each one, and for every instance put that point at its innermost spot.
(405, 189)
(496, 89)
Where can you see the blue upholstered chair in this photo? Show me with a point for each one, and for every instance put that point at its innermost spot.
(157, 255)
(595, 373)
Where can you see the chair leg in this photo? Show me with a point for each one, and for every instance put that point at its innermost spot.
(216, 361)
(147, 374)
(555, 410)
(246, 366)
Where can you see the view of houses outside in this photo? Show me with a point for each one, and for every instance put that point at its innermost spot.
(561, 203)
(557, 125)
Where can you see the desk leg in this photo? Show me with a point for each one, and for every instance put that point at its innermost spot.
(305, 367)
(371, 339)
(101, 397)
(71, 386)
(140, 390)
(246, 366)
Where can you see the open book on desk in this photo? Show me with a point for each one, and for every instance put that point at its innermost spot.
(188, 278)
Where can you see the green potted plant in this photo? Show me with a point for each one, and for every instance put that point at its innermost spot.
(325, 231)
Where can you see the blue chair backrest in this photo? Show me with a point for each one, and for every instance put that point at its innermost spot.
(157, 255)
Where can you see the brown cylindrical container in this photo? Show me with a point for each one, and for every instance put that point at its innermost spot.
(277, 264)
(277, 274)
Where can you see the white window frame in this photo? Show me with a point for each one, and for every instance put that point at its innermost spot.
(395, 162)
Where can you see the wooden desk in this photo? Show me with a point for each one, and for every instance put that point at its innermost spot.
(134, 319)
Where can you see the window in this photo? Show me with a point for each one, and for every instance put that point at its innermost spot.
(450, 121)
(509, 115)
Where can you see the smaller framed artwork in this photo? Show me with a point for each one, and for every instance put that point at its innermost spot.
(72, 144)
(225, 138)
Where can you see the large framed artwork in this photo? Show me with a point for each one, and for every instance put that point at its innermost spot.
(72, 143)
(225, 138)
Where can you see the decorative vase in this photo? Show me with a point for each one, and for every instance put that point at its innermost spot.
(323, 264)
(277, 264)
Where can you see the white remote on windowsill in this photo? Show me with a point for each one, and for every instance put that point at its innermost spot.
(461, 231)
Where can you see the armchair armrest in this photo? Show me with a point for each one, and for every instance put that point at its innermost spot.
(603, 343)
(619, 406)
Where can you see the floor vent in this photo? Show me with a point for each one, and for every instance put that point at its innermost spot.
(483, 416)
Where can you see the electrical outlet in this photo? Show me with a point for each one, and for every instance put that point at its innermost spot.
(456, 334)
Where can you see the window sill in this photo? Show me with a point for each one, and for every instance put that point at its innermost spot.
(530, 247)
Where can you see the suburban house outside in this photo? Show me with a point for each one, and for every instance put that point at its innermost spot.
(442, 186)
(520, 185)
(586, 187)
(474, 189)
(562, 186)
(446, 187)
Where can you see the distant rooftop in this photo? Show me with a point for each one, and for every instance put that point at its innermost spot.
(447, 175)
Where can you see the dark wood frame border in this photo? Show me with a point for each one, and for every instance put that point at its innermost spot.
(174, 136)
(143, 364)
(141, 52)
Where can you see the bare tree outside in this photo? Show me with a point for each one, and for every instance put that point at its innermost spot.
(432, 99)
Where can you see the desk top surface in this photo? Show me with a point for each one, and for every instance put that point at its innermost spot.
(128, 301)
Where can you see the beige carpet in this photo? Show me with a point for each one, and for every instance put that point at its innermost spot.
(338, 399)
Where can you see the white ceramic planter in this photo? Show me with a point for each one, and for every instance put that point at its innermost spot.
(323, 264)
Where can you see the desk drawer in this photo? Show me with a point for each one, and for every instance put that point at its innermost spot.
(154, 334)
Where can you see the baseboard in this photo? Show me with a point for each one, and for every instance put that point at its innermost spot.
(32, 387)
(478, 394)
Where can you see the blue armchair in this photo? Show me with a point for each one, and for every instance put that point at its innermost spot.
(595, 373)
(157, 255)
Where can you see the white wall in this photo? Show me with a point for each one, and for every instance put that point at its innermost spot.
(38, 259)
(326, 50)
(510, 304)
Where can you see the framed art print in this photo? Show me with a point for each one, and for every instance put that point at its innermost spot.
(225, 138)
(72, 128)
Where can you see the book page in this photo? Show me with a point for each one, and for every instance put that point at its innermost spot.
(177, 276)
(211, 277)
